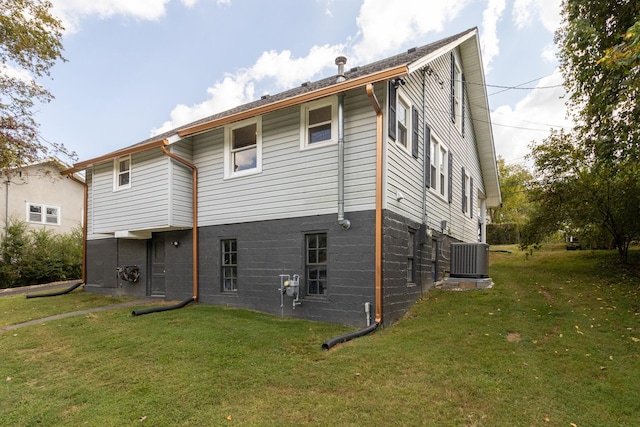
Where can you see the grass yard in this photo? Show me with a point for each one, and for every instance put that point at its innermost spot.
(556, 342)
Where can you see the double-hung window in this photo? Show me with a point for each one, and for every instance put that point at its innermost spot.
(43, 214)
(122, 173)
(243, 148)
(457, 93)
(229, 262)
(402, 114)
(439, 168)
(319, 123)
(316, 263)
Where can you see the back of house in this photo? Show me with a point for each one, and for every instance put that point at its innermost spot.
(337, 200)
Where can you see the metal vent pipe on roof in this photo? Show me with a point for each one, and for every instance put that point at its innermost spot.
(340, 62)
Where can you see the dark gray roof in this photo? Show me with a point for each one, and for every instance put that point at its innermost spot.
(403, 58)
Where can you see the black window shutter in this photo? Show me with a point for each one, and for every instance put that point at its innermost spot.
(464, 191)
(427, 155)
(450, 177)
(462, 98)
(414, 131)
(453, 88)
(471, 197)
(392, 110)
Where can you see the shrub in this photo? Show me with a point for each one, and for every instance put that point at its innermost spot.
(30, 257)
(503, 234)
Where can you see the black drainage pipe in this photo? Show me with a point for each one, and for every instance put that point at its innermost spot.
(346, 337)
(162, 308)
(55, 294)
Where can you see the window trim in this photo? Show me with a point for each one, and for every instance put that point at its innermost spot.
(307, 264)
(304, 122)
(401, 102)
(43, 214)
(435, 159)
(228, 152)
(117, 172)
(457, 88)
(411, 256)
(223, 265)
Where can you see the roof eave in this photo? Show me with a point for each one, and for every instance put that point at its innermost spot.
(387, 74)
(108, 157)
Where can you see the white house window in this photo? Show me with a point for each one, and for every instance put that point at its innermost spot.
(243, 148)
(456, 92)
(466, 192)
(318, 123)
(122, 173)
(439, 167)
(43, 214)
(403, 116)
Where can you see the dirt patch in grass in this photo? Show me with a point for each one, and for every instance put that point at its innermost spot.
(514, 337)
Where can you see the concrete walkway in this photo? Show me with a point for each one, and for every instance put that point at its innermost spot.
(73, 313)
(59, 286)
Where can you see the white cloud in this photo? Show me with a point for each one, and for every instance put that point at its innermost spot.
(15, 73)
(279, 69)
(514, 129)
(489, 41)
(547, 11)
(71, 12)
(384, 25)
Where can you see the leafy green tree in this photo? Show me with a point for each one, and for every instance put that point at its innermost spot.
(590, 179)
(30, 44)
(573, 192)
(515, 206)
(598, 50)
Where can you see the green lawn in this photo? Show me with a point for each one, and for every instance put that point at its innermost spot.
(556, 341)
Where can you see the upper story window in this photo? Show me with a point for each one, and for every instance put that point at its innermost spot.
(439, 167)
(243, 148)
(43, 214)
(457, 93)
(319, 123)
(403, 119)
(466, 192)
(122, 173)
(403, 123)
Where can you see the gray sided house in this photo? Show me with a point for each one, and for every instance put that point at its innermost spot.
(334, 201)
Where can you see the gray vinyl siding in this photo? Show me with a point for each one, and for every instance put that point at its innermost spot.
(405, 173)
(294, 182)
(180, 197)
(146, 205)
(141, 207)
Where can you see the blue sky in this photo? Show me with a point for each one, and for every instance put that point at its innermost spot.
(136, 68)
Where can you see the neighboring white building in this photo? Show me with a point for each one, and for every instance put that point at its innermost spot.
(43, 198)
